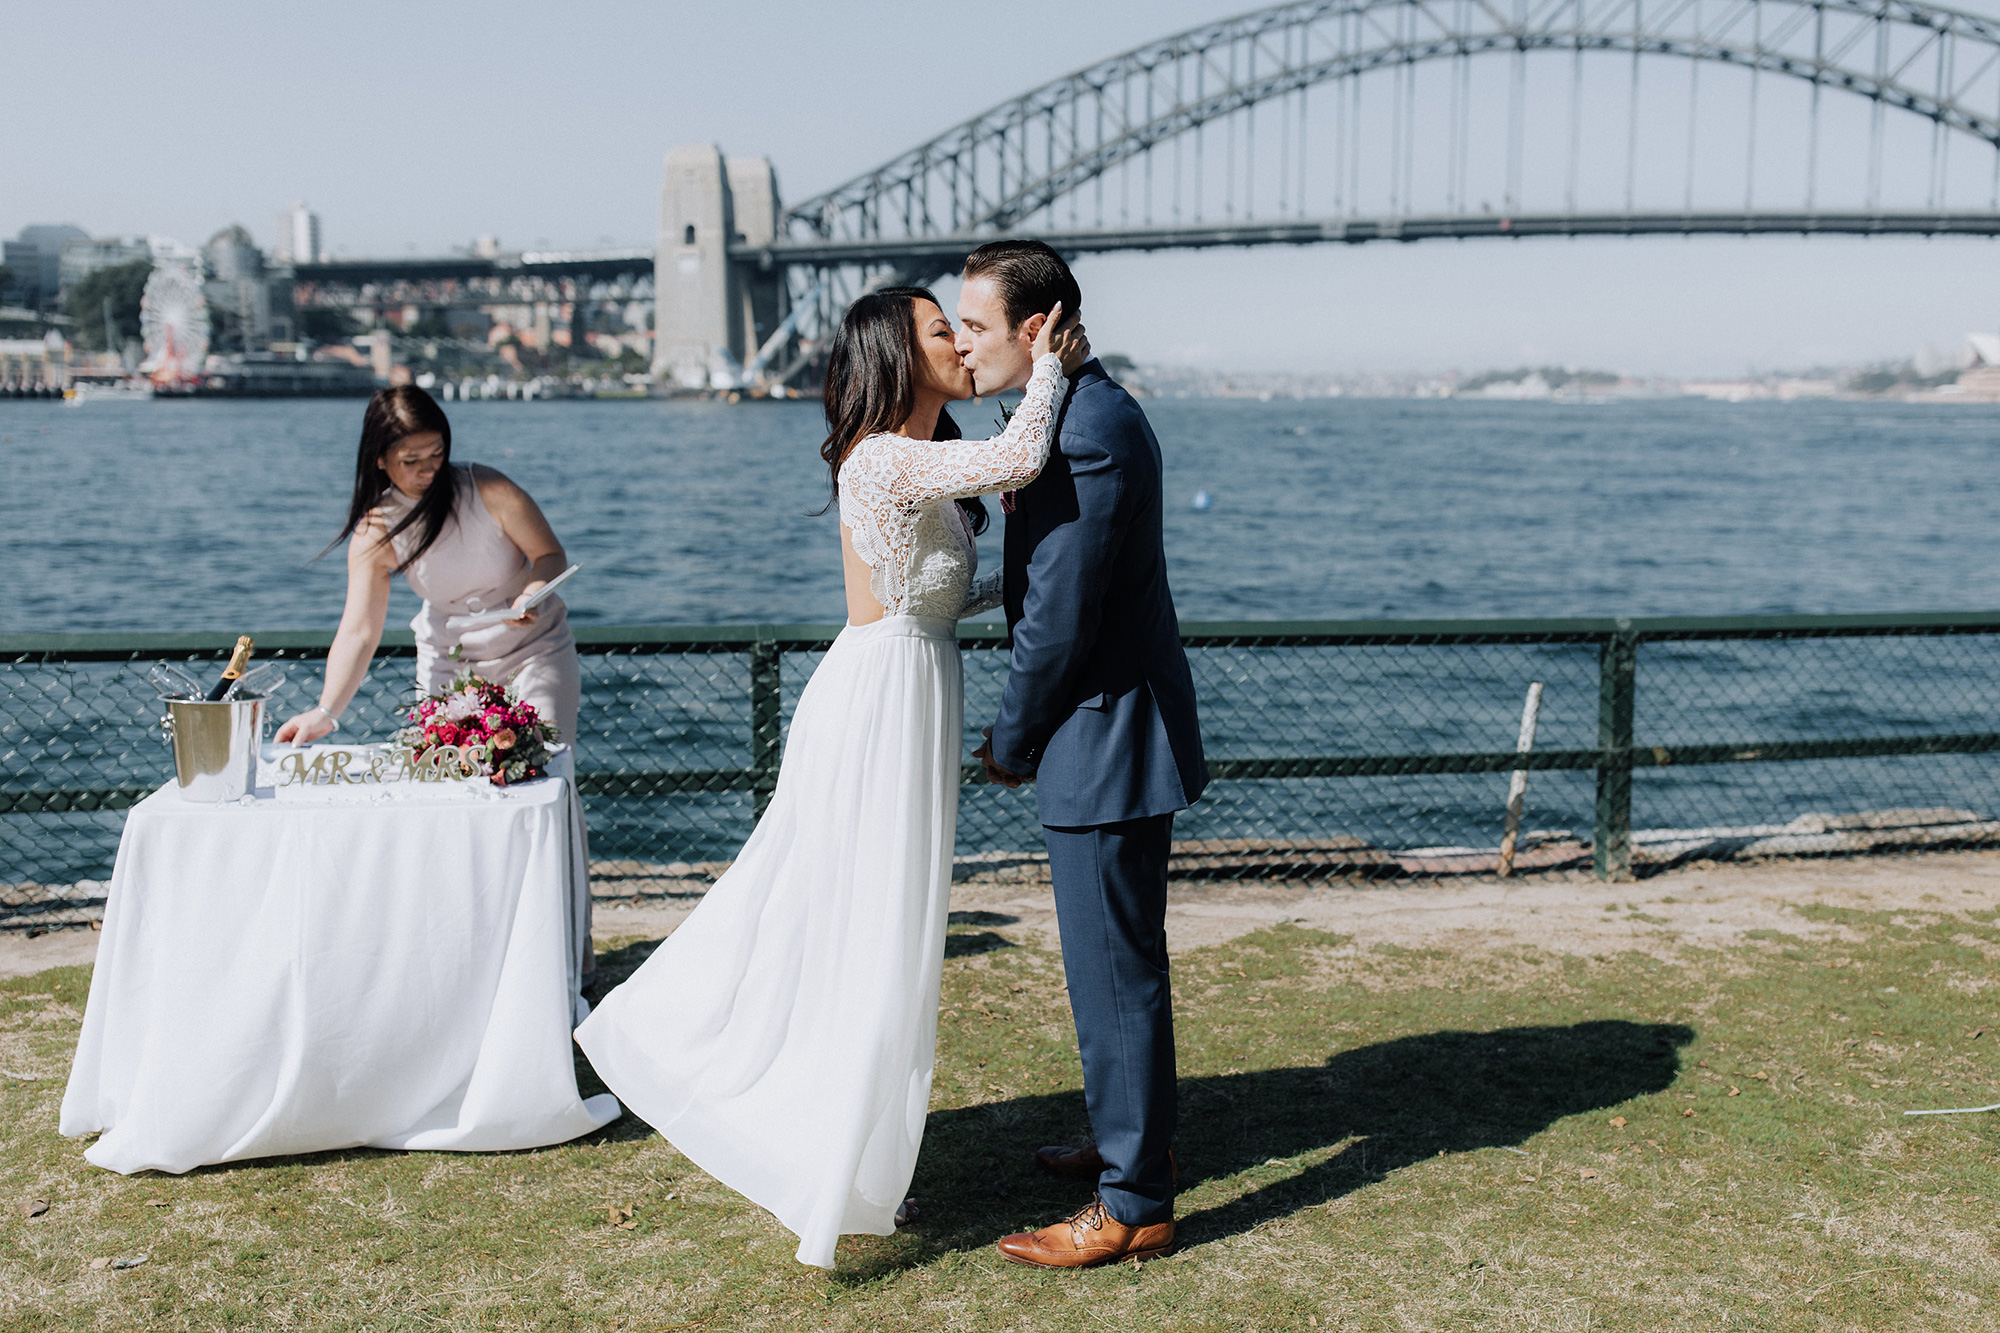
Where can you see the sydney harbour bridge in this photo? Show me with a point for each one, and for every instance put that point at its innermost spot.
(1330, 121)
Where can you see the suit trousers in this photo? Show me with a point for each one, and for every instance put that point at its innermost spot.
(1111, 908)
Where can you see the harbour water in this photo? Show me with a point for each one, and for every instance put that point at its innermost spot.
(192, 515)
(185, 516)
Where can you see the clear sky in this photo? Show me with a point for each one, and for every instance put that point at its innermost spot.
(414, 128)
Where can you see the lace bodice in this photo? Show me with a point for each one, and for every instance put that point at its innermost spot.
(897, 499)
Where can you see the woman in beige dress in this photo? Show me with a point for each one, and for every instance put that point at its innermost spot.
(466, 539)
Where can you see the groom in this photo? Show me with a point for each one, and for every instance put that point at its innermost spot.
(1099, 713)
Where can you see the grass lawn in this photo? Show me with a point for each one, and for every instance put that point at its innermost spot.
(1371, 1138)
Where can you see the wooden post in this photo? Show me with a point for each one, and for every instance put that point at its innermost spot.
(1617, 691)
(1517, 786)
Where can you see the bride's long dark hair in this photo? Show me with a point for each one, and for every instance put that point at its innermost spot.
(871, 381)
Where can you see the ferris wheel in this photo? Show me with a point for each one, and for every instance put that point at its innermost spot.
(173, 319)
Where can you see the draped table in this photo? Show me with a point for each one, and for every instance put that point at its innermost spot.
(321, 967)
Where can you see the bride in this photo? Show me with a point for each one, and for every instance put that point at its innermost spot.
(783, 1037)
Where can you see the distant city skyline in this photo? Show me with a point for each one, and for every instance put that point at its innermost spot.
(424, 130)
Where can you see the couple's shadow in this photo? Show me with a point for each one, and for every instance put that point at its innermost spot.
(1382, 1107)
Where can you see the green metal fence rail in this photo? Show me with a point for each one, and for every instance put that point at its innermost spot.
(683, 734)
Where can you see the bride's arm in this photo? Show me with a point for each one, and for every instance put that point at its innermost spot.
(927, 471)
(987, 592)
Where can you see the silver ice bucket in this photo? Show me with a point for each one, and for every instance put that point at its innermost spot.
(215, 746)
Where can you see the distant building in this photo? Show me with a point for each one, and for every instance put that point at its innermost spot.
(299, 240)
(1981, 349)
(81, 258)
(34, 263)
(256, 301)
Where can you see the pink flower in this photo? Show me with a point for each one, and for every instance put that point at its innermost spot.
(504, 739)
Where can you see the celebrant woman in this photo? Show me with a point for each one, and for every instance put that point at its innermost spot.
(466, 539)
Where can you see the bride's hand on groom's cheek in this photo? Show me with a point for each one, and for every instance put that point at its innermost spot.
(1063, 338)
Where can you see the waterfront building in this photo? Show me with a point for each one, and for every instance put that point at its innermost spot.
(33, 367)
(34, 262)
(236, 289)
(267, 375)
(299, 240)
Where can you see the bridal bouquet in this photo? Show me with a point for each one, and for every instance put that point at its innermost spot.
(485, 726)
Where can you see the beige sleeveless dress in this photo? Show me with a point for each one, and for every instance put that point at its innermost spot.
(473, 566)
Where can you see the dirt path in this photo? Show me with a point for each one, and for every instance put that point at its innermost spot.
(1659, 915)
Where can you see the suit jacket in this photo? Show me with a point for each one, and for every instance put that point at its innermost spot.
(1099, 706)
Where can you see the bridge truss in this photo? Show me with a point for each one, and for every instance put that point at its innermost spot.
(1364, 120)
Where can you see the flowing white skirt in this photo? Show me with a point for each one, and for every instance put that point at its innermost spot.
(783, 1037)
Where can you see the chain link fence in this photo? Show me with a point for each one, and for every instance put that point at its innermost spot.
(1340, 751)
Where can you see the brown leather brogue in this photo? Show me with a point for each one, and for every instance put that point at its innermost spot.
(1085, 1163)
(1092, 1237)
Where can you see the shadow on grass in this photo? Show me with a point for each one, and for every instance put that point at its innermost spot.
(1383, 1107)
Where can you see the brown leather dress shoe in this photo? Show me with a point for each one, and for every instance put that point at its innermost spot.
(1092, 1237)
(1085, 1163)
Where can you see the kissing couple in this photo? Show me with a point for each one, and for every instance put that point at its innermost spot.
(783, 1037)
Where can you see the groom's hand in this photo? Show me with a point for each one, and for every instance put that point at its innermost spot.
(995, 773)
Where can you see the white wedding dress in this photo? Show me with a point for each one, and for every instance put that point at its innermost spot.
(783, 1037)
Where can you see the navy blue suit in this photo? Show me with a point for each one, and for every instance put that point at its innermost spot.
(1099, 710)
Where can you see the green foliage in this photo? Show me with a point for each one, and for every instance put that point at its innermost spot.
(431, 324)
(327, 326)
(1887, 379)
(123, 285)
(1556, 376)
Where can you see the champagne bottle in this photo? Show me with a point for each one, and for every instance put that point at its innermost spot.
(238, 660)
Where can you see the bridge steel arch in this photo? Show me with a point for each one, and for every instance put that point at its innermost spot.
(1105, 114)
(1007, 170)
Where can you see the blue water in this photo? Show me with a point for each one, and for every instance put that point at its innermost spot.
(207, 515)
(178, 516)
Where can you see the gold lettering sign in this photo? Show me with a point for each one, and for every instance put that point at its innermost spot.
(339, 767)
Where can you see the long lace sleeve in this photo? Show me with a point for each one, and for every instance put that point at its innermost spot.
(987, 592)
(927, 471)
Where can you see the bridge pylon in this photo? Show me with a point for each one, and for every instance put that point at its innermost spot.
(712, 315)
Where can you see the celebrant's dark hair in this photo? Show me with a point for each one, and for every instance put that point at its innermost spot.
(394, 415)
(871, 382)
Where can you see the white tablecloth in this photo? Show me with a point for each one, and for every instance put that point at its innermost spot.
(322, 968)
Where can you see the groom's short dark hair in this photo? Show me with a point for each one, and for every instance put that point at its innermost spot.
(1030, 277)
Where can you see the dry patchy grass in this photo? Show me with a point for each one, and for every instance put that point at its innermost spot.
(1370, 1139)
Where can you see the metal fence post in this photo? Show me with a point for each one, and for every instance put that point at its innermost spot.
(766, 705)
(1617, 684)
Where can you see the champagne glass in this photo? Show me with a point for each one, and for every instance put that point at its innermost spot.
(174, 683)
(266, 680)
